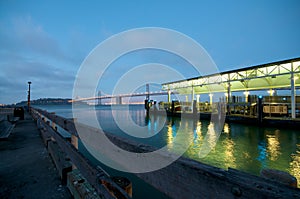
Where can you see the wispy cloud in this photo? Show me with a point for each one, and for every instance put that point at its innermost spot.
(28, 52)
(22, 34)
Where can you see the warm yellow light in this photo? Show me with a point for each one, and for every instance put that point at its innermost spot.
(226, 94)
(273, 147)
(226, 128)
(197, 98)
(271, 92)
(246, 93)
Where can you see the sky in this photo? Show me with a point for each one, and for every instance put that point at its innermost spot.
(46, 42)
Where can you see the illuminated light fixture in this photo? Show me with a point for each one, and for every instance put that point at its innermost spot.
(260, 96)
(226, 94)
(246, 93)
(210, 95)
(197, 98)
(271, 92)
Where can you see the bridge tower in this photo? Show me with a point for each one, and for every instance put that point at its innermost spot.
(99, 99)
(147, 92)
(118, 100)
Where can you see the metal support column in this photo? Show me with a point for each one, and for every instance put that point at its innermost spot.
(293, 97)
(169, 95)
(193, 93)
(147, 92)
(192, 97)
(210, 98)
(28, 97)
(99, 95)
(228, 93)
(198, 98)
(119, 100)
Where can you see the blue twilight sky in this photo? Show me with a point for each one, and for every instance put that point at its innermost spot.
(46, 41)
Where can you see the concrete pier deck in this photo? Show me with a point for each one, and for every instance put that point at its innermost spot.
(26, 169)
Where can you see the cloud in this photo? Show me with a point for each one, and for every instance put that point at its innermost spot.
(29, 53)
(23, 35)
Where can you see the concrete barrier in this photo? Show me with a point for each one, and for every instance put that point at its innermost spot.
(79, 187)
(61, 161)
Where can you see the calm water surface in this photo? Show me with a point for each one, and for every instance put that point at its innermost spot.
(246, 148)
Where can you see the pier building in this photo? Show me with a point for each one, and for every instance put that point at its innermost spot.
(269, 77)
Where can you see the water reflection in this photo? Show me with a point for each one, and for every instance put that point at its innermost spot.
(226, 128)
(262, 157)
(273, 147)
(230, 160)
(295, 164)
(245, 148)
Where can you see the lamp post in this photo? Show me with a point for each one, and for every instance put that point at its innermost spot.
(28, 102)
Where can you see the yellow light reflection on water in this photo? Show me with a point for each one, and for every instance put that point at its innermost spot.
(170, 136)
(295, 165)
(226, 128)
(229, 158)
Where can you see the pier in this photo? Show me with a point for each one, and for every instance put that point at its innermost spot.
(31, 169)
(178, 180)
(26, 169)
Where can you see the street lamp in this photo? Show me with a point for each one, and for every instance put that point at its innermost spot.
(28, 102)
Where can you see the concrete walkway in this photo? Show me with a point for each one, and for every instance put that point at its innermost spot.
(26, 169)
